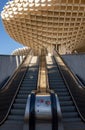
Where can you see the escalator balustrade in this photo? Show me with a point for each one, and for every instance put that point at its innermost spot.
(70, 116)
(15, 118)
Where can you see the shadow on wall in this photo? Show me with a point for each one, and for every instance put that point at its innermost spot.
(82, 81)
(8, 64)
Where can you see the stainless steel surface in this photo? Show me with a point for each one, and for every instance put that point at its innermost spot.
(26, 117)
(43, 107)
(59, 114)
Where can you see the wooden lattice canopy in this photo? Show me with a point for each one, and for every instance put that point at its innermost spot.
(46, 23)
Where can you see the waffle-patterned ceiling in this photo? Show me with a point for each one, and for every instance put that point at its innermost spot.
(42, 24)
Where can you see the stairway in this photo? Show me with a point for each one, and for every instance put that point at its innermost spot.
(15, 119)
(70, 117)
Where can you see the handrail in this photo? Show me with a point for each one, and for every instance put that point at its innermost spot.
(32, 112)
(54, 111)
(13, 75)
(76, 91)
(59, 114)
(21, 67)
(38, 83)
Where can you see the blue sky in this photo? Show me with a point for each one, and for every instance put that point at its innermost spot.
(7, 44)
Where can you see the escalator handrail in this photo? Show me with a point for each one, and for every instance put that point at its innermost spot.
(54, 112)
(32, 111)
(4, 119)
(38, 83)
(83, 119)
(6, 85)
(70, 71)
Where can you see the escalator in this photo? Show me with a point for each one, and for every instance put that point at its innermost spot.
(15, 119)
(70, 116)
(40, 109)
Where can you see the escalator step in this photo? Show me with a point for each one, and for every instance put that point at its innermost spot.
(55, 76)
(70, 114)
(19, 106)
(17, 112)
(74, 125)
(71, 119)
(61, 90)
(24, 88)
(23, 92)
(30, 80)
(65, 98)
(56, 80)
(22, 96)
(26, 83)
(53, 86)
(58, 83)
(29, 84)
(15, 117)
(68, 108)
(20, 100)
(13, 121)
(65, 103)
(63, 93)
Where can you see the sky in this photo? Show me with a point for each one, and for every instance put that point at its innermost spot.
(7, 44)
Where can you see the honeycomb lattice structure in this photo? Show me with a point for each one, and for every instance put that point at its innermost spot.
(46, 23)
(21, 51)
